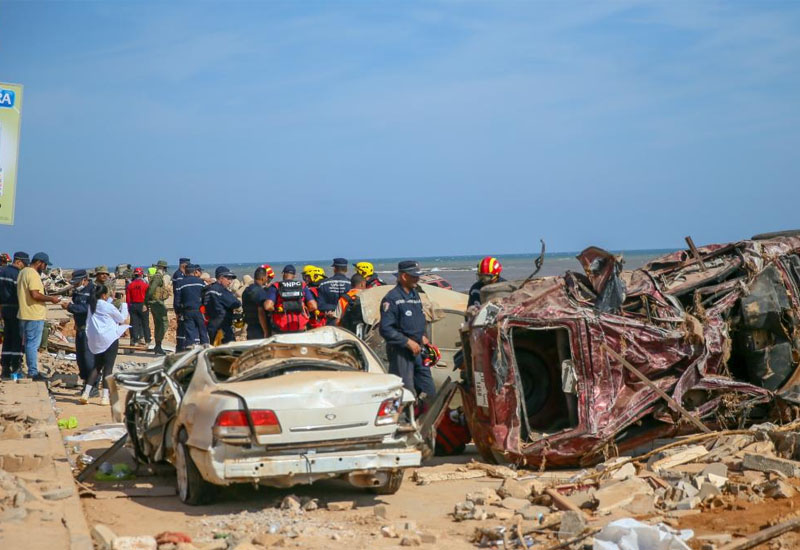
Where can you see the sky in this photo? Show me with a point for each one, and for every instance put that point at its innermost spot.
(239, 131)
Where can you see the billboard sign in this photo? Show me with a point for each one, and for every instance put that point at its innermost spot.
(10, 115)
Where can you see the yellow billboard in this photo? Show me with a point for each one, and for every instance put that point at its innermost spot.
(10, 116)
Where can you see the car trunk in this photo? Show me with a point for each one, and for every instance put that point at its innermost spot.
(320, 406)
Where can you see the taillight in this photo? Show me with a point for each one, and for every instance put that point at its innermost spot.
(388, 412)
(232, 426)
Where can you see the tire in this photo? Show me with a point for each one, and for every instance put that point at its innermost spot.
(392, 486)
(192, 488)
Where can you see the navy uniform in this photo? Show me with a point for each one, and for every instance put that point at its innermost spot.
(80, 311)
(220, 303)
(252, 300)
(402, 319)
(11, 358)
(177, 277)
(331, 289)
(188, 299)
(475, 291)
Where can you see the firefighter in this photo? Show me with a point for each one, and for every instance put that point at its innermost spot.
(367, 270)
(220, 304)
(489, 270)
(188, 299)
(291, 303)
(177, 277)
(313, 276)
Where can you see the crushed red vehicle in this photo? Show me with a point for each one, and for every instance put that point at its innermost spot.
(571, 369)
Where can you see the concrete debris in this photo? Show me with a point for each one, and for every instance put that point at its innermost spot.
(516, 489)
(572, 525)
(292, 503)
(765, 463)
(341, 506)
(777, 489)
(103, 536)
(677, 457)
(134, 543)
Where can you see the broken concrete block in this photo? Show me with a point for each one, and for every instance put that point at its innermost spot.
(677, 458)
(717, 468)
(515, 489)
(291, 502)
(341, 506)
(620, 493)
(764, 463)
(389, 532)
(534, 513)
(689, 503)
(501, 514)
(58, 494)
(572, 525)
(778, 489)
(103, 536)
(380, 511)
(583, 499)
(483, 497)
(512, 503)
(410, 539)
(708, 490)
(641, 505)
(134, 543)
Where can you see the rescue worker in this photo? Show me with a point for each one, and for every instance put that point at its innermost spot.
(220, 303)
(156, 294)
(177, 277)
(291, 303)
(5, 259)
(349, 311)
(82, 290)
(402, 325)
(313, 276)
(101, 275)
(489, 270)
(135, 295)
(333, 288)
(11, 357)
(367, 270)
(254, 301)
(188, 300)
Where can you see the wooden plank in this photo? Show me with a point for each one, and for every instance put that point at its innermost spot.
(633, 370)
(91, 468)
(764, 535)
(682, 457)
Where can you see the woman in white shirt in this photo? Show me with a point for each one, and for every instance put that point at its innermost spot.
(104, 325)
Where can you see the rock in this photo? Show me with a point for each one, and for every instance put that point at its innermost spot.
(515, 489)
(689, 503)
(583, 499)
(641, 505)
(336, 537)
(103, 536)
(501, 514)
(572, 525)
(292, 503)
(173, 537)
(58, 494)
(708, 490)
(511, 503)
(620, 494)
(268, 539)
(389, 532)
(534, 513)
(778, 489)
(764, 463)
(410, 539)
(717, 468)
(484, 497)
(311, 505)
(380, 511)
(134, 543)
(342, 506)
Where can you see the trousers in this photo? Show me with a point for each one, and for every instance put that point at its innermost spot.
(159, 312)
(215, 325)
(84, 357)
(140, 323)
(409, 367)
(194, 328)
(11, 357)
(103, 364)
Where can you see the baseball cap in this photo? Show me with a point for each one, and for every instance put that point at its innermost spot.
(410, 267)
(41, 257)
(223, 271)
(78, 275)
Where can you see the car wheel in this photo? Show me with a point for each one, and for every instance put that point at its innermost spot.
(392, 486)
(192, 488)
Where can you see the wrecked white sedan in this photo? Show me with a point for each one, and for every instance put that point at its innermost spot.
(291, 409)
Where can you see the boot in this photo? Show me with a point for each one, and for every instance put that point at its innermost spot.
(157, 350)
(84, 399)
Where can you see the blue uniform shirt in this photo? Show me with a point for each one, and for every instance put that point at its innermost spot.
(220, 303)
(80, 304)
(402, 317)
(189, 293)
(8, 286)
(475, 292)
(177, 277)
(331, 289)
(253, 298)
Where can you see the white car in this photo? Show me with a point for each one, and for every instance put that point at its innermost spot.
(290, 409)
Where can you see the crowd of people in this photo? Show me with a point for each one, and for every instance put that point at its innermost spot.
(207, 311)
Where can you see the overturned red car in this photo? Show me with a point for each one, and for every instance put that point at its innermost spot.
(571, 369)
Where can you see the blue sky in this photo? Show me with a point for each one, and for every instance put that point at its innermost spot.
(237, 131)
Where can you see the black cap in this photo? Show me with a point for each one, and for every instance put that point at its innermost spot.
(41, 257)
(223, 271)
(289, 269)
(184, 261)
(411, 267)
(22, 256)
(339, 262)
(193, 267)
(78, 275)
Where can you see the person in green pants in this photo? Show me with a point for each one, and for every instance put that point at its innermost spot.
(156, 294)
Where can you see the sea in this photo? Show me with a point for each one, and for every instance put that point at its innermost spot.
(461, 271)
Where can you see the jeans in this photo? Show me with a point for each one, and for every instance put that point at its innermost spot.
(32, 339)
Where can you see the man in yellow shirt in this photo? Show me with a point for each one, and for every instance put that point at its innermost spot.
(33, 311)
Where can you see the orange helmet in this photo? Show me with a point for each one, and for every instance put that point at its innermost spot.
(430, 355)
(269, 270)
(489, 266)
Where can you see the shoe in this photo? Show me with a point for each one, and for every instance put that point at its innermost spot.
(38, 377)
(105, 399)
(158, 351)
(94, 393)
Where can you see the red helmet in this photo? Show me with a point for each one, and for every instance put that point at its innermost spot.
(489, 266)
(5, 257)
(430, 355)
(269, 270)
(138, 271)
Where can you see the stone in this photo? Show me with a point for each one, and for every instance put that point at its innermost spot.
(717, 468)
(689, 503)
(410, 539)
(341, 506)
(292, 503)
(534, 513)
(501, 514)
(484, 497)
(134, 543)
(708, 490)
(267, 540)
(511, 503)
(389, 532)
(515, 489)
(311, 505)
(764, 463)
(380, 511)
(103, 536)
(582, 499)
(572, 525)
(778, 489)
(620, 494)
(641, 505)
